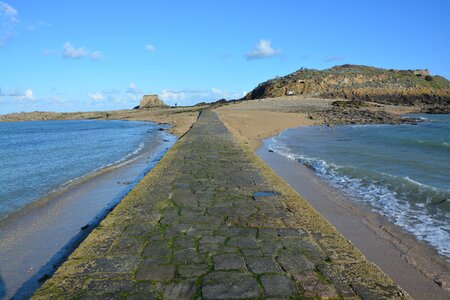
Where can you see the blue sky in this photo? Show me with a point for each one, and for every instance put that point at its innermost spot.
(96, 55)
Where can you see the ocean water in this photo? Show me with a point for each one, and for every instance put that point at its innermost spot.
(399, 171)
(37, 158)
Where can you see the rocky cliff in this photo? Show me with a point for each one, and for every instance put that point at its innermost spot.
(354, 82)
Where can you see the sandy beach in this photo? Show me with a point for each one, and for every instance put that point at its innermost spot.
(252, 121)
(412, 264)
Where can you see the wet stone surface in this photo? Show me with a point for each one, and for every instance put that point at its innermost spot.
(208, 223)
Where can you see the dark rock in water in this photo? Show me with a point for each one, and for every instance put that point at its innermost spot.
(308, 165)
(166, 141)
(85, 227)
(136, 107)
(439, 109)
(270, 150)
(161, 129)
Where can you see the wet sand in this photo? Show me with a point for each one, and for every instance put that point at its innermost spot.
(412, 264)
(251, 121)
(38, 238)
(399, 255)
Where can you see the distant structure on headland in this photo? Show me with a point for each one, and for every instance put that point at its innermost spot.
(149, 101)
(421, 72)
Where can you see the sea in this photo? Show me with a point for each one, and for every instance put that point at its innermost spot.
(399, 171)
(42, 157)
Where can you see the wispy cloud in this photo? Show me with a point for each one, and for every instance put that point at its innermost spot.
(5, 38)
(133, 91)
(96, 96)
(69, 51)
(8, 21)
(227, 94)
(190, 97)
(263, 49)
(305, 56)
(8, 11)
(20, 94)
(129, 96)
(334, 58)
(174, 95)
(96, 55)
(33, 26)
(150, 48)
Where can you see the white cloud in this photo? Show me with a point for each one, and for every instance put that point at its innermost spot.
(190, 97)
(133, 89)
(183, 97)
(28, 94)
(262, 50)
(20, 95)
(150, 48)
(96, 55)
(8, 21)
(70, 51)
(8, 11)
(96, 96)
(218, 93)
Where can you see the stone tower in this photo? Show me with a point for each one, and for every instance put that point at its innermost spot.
(149, 101)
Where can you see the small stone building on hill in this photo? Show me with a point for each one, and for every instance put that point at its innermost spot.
(149, 101)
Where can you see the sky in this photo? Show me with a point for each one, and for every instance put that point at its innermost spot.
(100, 55)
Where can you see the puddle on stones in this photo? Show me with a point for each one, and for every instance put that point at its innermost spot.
(264, 194)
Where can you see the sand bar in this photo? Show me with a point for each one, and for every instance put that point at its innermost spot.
(412, 264)
(211, 220)
(39, 236)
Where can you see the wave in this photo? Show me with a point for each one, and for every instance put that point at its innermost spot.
(418, 208)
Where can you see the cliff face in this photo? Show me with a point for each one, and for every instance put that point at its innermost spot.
(353, 82)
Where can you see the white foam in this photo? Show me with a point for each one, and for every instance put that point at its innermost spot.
(412, 217)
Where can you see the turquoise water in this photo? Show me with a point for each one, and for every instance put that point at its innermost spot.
(37, 158)
(400, 171)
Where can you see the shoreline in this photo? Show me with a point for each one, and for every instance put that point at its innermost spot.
(73, 183)
(407, 253)
(53, 226)
(411, 263)
(254, 120)
(169, 235)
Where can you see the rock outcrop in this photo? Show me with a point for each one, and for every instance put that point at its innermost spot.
(149, 101)
(355, 82)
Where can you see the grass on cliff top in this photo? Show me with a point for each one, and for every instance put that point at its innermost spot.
(401, 77)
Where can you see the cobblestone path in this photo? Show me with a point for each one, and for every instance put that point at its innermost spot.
(211, 221)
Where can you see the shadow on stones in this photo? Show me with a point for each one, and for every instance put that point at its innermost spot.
(2, 287)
